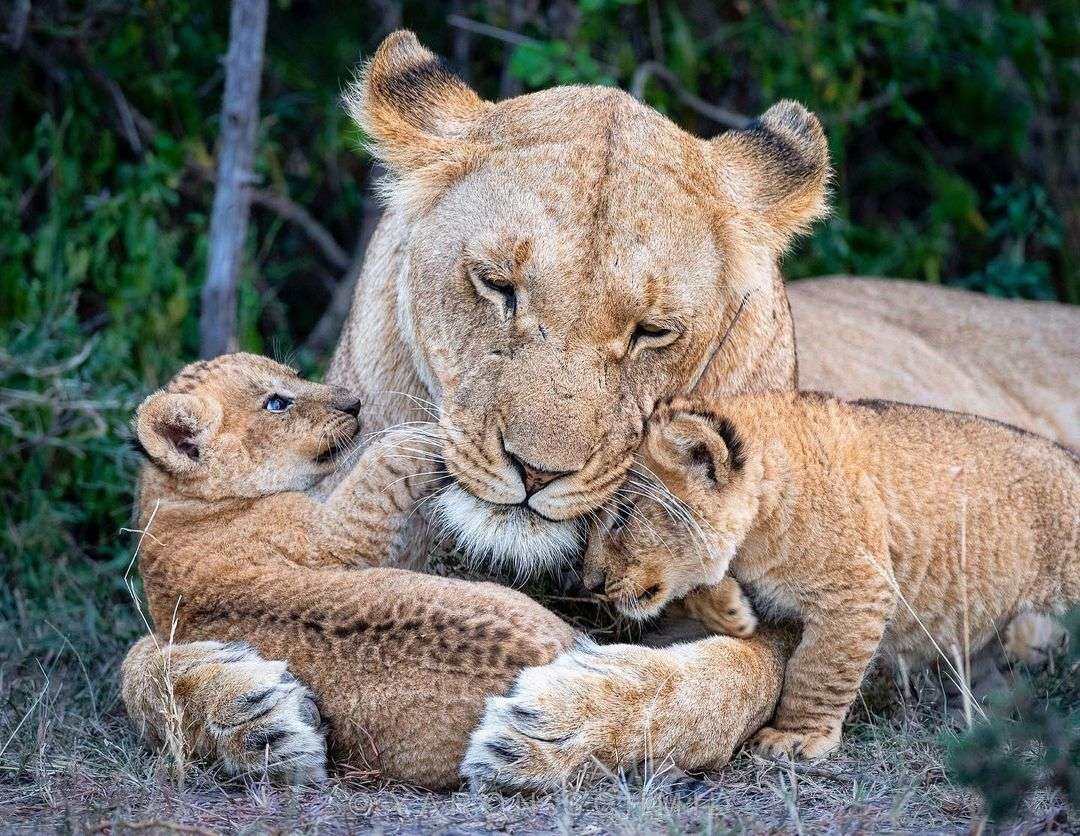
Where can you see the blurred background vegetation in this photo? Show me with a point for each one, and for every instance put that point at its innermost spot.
(954, 129)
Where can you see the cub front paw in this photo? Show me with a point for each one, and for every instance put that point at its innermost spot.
(725, 610)
(586, 708)
(807, 745)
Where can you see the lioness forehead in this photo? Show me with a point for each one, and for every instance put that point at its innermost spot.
(629, 237)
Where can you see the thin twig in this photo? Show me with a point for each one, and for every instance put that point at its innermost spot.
(20, 16)
(297, 214)
(504, 35)
(801, 768)
(720, 115)
(129, 122)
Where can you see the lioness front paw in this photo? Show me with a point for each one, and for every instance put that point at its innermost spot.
(589, 706)
(228, 705)
(807, 745)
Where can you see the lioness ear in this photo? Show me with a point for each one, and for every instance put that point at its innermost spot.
(778, 168)
(708, 443)
(414, 109)
(174, 429)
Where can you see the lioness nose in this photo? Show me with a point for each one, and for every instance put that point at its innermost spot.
(533, 477)
(353, 409)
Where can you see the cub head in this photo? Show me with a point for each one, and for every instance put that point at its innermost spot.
(676, 523)
(569, 258)
(241, 425)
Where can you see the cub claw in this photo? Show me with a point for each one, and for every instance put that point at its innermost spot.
(803, 745)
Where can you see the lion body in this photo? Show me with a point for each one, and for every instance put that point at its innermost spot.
(592, 215)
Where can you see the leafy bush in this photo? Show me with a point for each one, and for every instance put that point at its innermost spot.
(1030, 742)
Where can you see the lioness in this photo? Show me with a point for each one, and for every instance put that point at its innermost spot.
(230, 498)
(880, 527)
(551, 266)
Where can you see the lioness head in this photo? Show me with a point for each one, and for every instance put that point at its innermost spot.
(680, 516)
(572, 257)
(241, 425)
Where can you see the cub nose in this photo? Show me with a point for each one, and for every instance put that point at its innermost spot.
(595, 581)
(352, 409)
(533, 477)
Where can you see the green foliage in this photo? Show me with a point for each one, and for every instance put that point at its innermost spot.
(1030, 741)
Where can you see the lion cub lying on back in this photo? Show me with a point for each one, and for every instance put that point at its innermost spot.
(237, 446)
(880, 527)
(247, 542)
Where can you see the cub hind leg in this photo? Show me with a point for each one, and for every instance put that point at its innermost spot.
(224, 703)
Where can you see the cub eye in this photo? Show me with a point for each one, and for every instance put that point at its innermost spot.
(654, 335)
(277, 403)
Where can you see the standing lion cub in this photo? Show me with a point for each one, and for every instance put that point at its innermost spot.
(883, 528)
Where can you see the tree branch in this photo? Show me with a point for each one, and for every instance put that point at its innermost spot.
(232, 197)
(327, 329)
(500, 34)
(720, 115)
(297, 214)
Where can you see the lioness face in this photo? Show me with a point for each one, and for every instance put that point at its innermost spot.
(244, 426)
(573, 258)
(557, 330)
(680, 517)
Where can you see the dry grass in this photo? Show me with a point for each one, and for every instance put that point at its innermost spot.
(70, 762)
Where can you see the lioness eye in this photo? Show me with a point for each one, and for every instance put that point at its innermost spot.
(652, 333)
(506, 290)
(277, 403)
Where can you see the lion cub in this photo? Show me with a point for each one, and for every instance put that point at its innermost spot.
(238, 450)
(881, 527)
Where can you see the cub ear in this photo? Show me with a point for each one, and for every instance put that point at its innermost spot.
(415, 110)
(778, 168)
(706, 443)
(174, 430)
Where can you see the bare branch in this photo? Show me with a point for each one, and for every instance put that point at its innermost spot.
(327, 329)
(297, 214)
(720, 115)
(500, 34)
(17, 23)
(232, 197)
(130, 119)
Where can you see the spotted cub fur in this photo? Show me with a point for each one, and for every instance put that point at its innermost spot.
(247, 540)
(885, 529)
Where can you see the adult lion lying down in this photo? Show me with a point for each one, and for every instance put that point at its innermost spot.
(548, 268)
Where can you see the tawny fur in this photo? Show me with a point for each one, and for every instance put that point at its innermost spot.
(626, 219)
(884, 529)
(241, 545)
